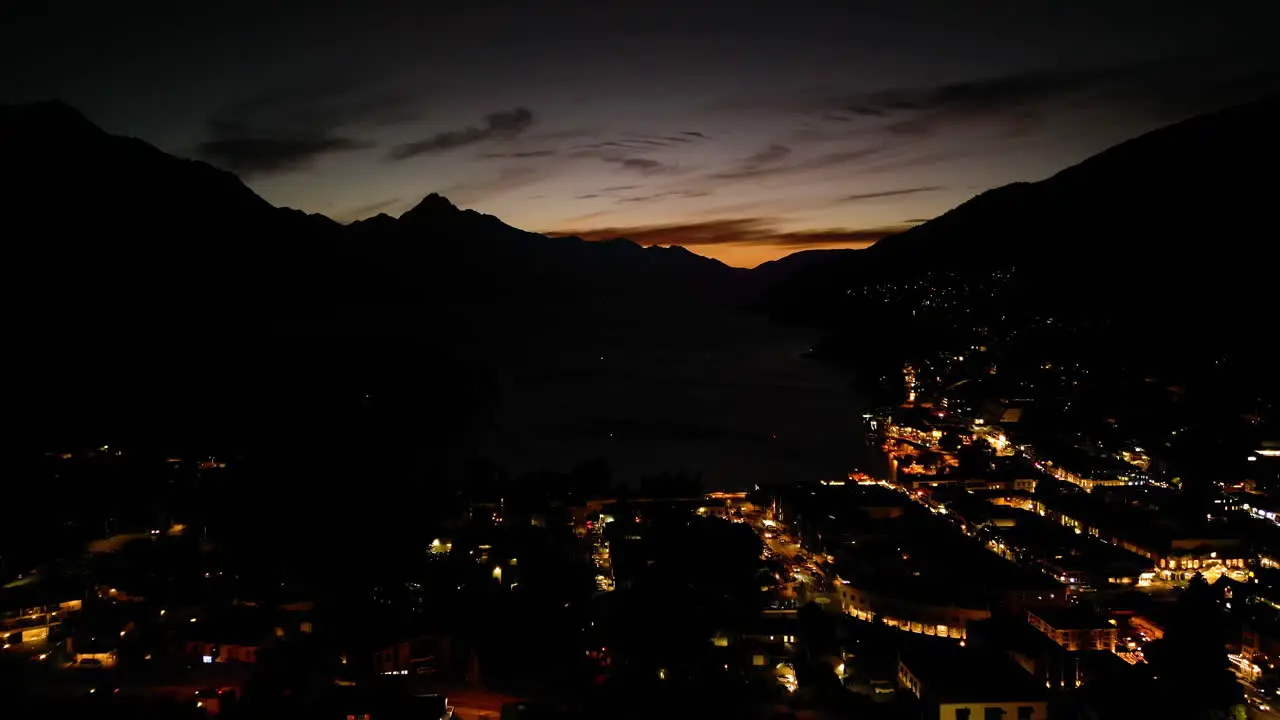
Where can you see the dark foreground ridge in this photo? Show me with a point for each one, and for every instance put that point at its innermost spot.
(1150, 227)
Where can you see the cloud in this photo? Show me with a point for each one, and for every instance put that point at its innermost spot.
(1013, 105)
(616, 192)
(530, 145)
(634, 153)
(519, 155)
(838, 237)
(1019, 104)
(761, 163)
(916, 221)
(238, 150)
(644, 166)
(607, 145)
(891, 193)
(738, 231)
(929, 132)
(981, 95)
(611, 191)
(497, 126)
(579, 219)
(909, 127)
(629, 152)
(565, 134)
(289, 126)
(769, 162)
(668, 195)
(642, 143)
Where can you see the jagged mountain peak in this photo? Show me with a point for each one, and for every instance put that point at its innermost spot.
(433, 205)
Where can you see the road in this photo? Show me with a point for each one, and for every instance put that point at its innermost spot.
(1256, 700)
(786, 549)
(804, 578)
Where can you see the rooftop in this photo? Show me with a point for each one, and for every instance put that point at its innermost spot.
(1070, 618)
(954, 674)
(925, 559)
(232, 626)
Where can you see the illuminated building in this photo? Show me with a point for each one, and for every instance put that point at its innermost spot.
(937, 619)
(965, 684)
(1074, 629)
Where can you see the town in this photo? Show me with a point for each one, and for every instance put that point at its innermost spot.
(577, 360)
(973, 570)
(1035, 532)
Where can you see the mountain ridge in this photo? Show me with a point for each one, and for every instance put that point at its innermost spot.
(125, 223)
(157, 198)
(1132, 227)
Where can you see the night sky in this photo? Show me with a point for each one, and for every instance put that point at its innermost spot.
(742, 130)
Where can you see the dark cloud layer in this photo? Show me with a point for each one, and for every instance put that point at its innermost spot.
(287, 127)
(891, 193)
(239, 150)
(641, 143)
(1020, 103)
(638, 165)
(742, 231)
(519, 154)
(901, 129)
(628, 152)
(503, 125)
(771, 162)
(980, 95)
(762, 163)
(643, 165)
(666, 195)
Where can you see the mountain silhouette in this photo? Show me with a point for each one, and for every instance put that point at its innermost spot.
(120, 228)
(161, 297)
(773, 272)
(1160, 227)
(477, 257)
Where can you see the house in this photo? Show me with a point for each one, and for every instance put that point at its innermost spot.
(1074, 628)
(96, 650)
(423, 655)
(236, 634)
(955, 683)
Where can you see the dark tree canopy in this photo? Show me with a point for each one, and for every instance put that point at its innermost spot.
(1193, 654)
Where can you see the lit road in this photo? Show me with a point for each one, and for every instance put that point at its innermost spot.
(803, 579)
(783, 549)
(115, 543)
(1271, 713)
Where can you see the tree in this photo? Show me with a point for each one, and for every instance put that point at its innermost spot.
(817, 631)
(1193, 654)
(950, 442)
(975, 459)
